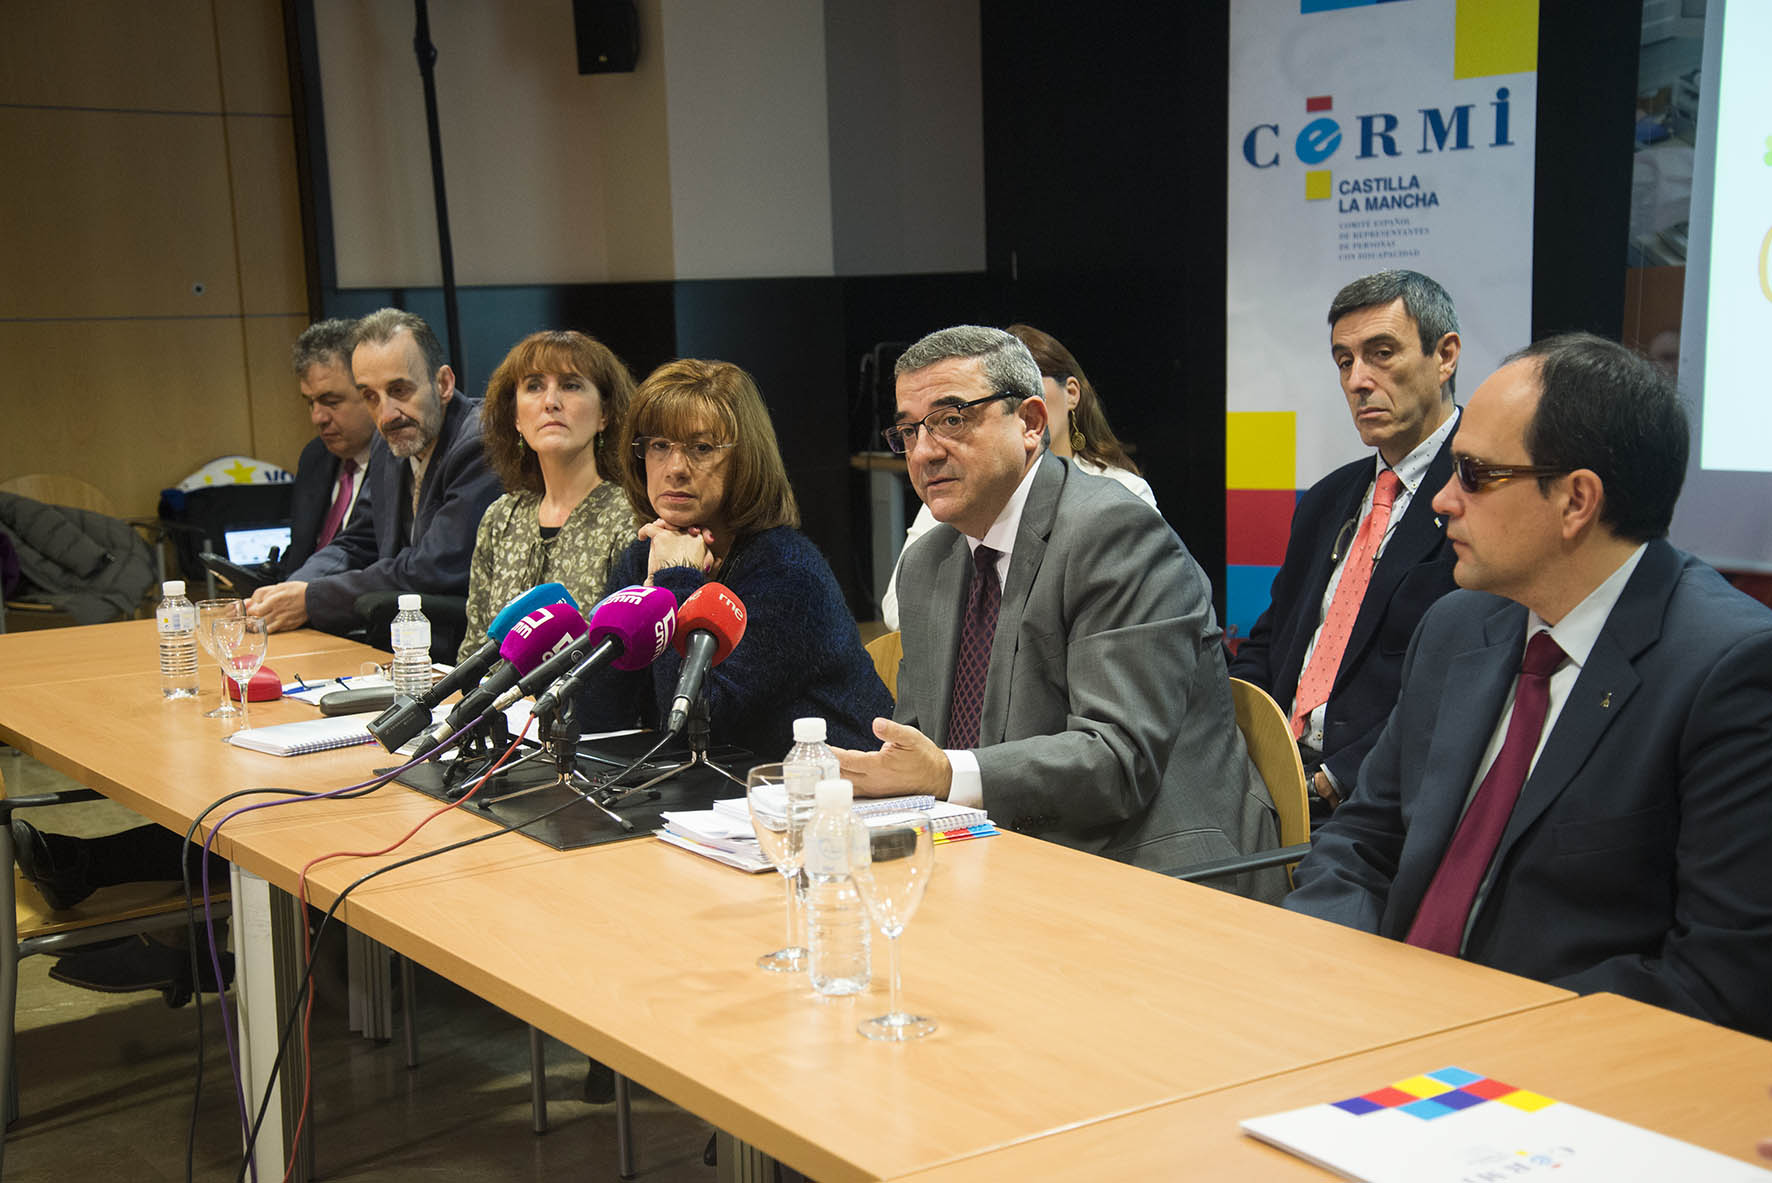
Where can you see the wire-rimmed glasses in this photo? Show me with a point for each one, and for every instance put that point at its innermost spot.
(949, 422)
(698, 454)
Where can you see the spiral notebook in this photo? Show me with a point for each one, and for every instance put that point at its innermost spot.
(307, 735)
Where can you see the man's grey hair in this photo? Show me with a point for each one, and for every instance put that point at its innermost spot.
(1426, 302)
(323, 343)
(1007, 363)
(380, 327)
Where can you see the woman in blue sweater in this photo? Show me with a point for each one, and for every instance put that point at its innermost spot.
(706, 479)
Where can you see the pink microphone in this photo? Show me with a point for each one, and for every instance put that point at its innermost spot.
(532, 641)
(628, 629)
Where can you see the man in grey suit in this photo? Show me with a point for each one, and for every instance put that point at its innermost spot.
(1574, 784)
(1062, 665)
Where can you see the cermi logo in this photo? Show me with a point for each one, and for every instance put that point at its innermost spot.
(1380, 133)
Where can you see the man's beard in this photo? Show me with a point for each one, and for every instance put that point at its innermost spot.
(429, 424)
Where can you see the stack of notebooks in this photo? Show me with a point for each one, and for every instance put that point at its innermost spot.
(1458, 1126)
(724, 832)
(307, 735)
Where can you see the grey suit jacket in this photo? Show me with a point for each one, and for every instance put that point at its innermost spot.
(1107, 722)
(1635, 860)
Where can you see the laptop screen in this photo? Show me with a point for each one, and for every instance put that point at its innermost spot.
(252, 544)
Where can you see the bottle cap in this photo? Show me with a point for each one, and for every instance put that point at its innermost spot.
(839, 794)
(173, 587)
(810, 730)
(409, 602)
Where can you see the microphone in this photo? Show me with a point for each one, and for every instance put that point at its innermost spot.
(534, 639)
(408, 716)
(709, 624)
(629, 629)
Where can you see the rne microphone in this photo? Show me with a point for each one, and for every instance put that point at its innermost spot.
(535, 638)
(629, 629)
(408, 716)
(709, 624)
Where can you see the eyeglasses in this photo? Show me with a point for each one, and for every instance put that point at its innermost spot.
(946, 423)
(1474, 476)
(656, 449)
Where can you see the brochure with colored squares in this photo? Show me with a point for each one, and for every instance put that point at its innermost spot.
(1454, 1126)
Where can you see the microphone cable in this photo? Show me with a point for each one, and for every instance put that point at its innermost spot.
(307, 1053)
(305, 985)
(195, 943)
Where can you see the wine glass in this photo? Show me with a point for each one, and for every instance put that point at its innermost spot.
(891, 855)
(208, 612)
(240, 644)
(779, 817)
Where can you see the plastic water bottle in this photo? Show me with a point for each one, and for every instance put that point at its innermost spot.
(412, 648)
(176, 619)
(809, 761)
(836, 919)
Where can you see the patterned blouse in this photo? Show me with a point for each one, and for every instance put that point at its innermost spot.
(510, 555)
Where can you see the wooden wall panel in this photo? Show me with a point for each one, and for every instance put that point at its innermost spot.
(115, 214)
(110, 53)
(130, 405)
(280, 426)
(267, 205)
(125, 189)
(254, 68)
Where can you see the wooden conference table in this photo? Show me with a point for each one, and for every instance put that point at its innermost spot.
(1072, 992)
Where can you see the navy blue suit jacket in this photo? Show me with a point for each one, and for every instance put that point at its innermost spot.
(1414, 571)
(374, 554)
(1636, 859)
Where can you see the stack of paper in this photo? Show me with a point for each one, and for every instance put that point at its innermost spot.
(714, 835)
(1455, 1126)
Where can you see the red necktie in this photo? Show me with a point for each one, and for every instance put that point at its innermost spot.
(1319, 676)
(341, 503)
(973, 660)
(1440, 920)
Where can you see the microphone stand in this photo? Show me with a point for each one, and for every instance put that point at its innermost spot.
(562, 744)
(697, 736)
(484, 742)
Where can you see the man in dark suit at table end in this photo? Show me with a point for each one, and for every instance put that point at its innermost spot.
(428, 486)
(1367, 554)
(329, 477)
(1059, 641)
(1576, 782)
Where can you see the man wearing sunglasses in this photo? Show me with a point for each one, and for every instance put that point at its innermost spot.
(1576, 782)
(1367, 554)
(1062, 664)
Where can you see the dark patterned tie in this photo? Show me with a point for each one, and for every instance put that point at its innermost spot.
(341, 503)
(1445, 908)
(973, 659)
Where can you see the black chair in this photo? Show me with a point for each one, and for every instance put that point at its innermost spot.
(198, 520)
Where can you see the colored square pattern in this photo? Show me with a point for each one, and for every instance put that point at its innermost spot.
(1307, 6)
(1436, 1094)
(1258, 523)
(1494, 37)
(1260, 450)
(1319, 184)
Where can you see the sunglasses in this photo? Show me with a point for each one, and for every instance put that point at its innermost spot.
(1474, 476)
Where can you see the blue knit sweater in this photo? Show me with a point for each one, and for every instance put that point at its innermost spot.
(801, 654)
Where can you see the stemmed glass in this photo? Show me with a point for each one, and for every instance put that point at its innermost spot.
(208, 612)
(780, 818)
(891, 856)
(240, 644)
